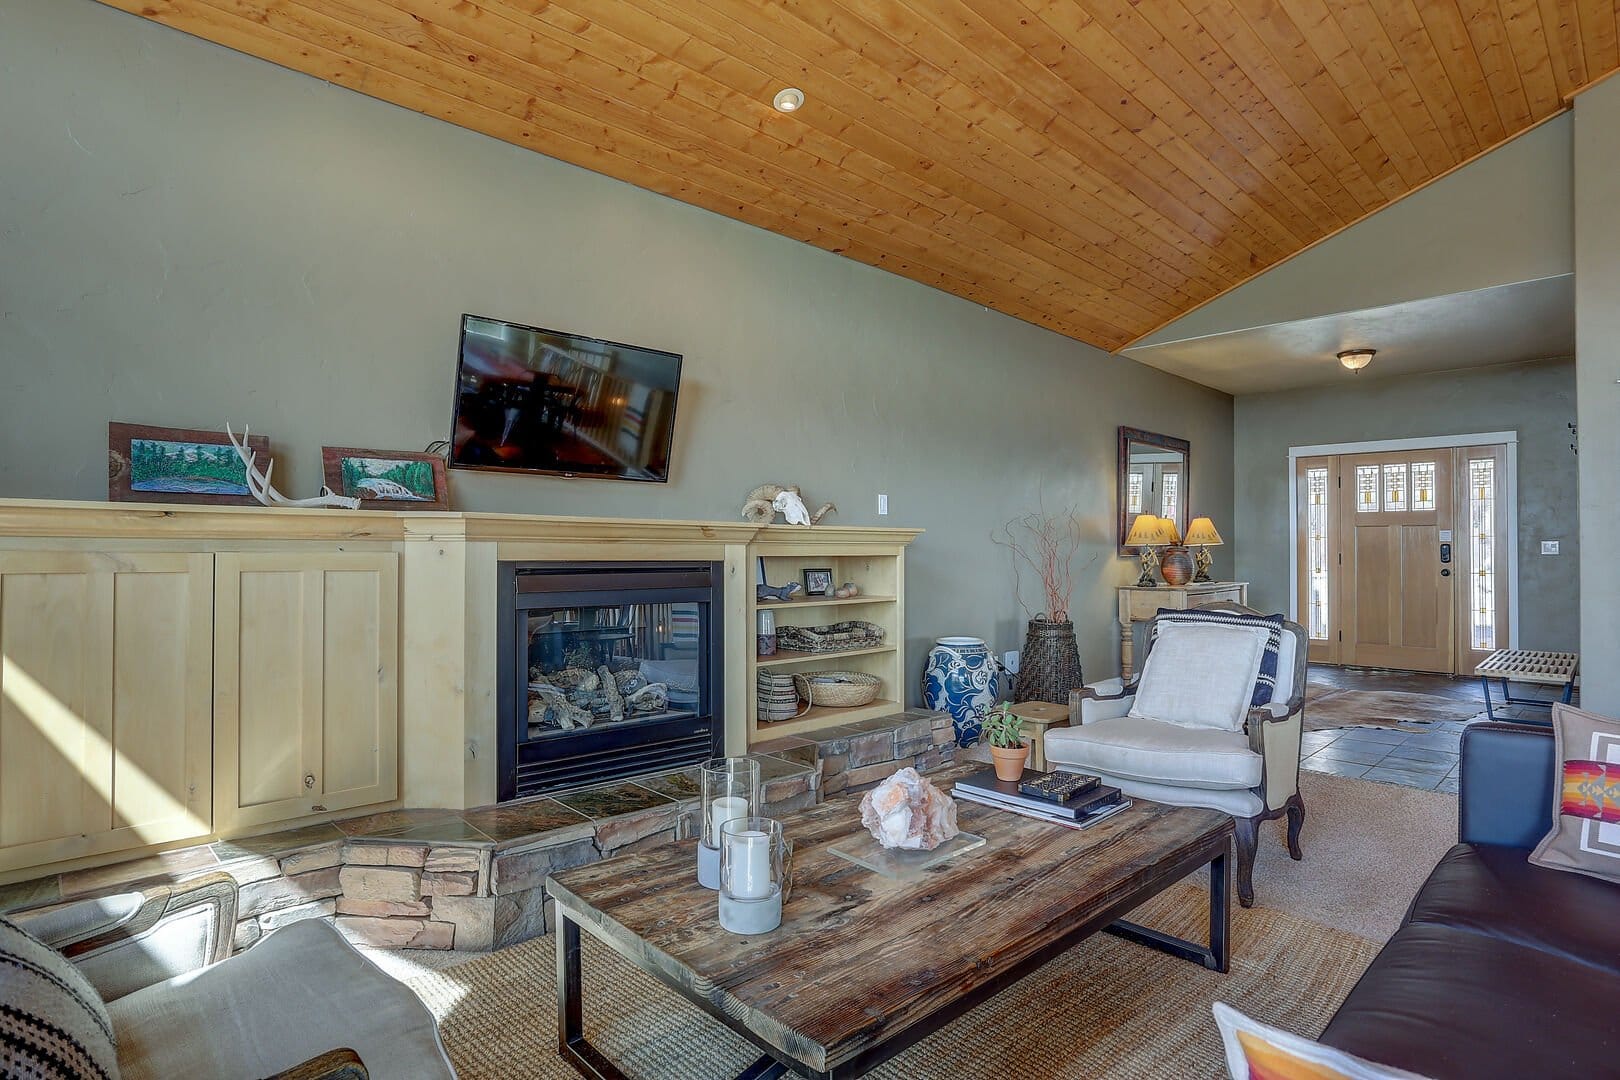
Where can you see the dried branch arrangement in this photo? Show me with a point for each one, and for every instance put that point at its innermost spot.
(1046, 545)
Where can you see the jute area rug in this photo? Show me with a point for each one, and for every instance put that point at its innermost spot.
(1325, 708)
(1105, 1008)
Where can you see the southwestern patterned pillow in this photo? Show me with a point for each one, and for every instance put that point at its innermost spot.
(53, 1024)
(1585, 836)
(1256, 1051)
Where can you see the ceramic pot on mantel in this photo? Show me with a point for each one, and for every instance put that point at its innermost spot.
(1010, 761)
(1177, 566)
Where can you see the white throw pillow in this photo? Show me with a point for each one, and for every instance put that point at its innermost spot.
(1200, 675)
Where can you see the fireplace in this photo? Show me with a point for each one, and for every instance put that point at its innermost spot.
(607, 670)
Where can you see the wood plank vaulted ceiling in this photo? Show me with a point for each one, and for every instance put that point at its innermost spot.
(1098, 167)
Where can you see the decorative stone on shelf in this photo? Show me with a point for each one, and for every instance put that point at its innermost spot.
(907, 811)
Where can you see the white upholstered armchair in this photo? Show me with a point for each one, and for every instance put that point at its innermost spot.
(1212, 720)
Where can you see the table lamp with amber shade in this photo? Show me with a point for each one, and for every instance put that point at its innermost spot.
(1201, 534)
(1148, 534)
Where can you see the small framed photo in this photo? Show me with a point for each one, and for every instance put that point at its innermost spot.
(387, 479)
(818, 582)
(180, 465)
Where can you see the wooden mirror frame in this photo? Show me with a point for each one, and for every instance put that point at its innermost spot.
(1127, 436)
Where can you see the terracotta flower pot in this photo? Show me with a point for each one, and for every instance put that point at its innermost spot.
(1009, 763)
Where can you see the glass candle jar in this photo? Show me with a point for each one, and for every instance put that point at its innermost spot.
(730, 790)
(753, 868)
(766, 636)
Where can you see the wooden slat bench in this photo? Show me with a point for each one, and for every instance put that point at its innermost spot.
(1527, 666)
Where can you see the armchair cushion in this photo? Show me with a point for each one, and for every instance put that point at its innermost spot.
(1265, 679)
(53, 1024)
(1136, 748)
(297, 994)
(1200, 676)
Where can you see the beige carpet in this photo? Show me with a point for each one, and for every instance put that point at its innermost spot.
(1367, 849)
(1382, 708)
(1105, 1008)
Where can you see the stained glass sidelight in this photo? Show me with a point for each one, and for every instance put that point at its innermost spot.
(1317, 550)
(1171, 483)
(1482, 541)
(1423, 485)
(1366, 489)
(1133, 494)
(1394, 488)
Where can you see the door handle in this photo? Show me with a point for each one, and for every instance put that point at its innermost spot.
(1445, 573)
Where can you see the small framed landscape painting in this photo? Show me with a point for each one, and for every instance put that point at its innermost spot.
(387, 479)
(179, 465)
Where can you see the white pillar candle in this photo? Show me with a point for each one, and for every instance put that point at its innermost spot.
(725, 808)
(749, 856)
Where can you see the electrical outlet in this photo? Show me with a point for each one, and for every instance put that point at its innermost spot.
(1009, 660)
(1549, 547)
(883, 504)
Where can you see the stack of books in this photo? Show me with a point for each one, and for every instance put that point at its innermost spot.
(1071, 799)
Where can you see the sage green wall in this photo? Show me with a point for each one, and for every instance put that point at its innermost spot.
(1535, 399)
(1597, 347)
(189, 237)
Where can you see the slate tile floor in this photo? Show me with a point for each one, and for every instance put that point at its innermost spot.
(1421, 759)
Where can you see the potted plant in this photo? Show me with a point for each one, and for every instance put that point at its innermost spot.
(1004, 731)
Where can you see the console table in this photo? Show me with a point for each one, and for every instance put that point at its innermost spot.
(1139, 604)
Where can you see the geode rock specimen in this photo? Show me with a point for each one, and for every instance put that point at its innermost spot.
(907, 811)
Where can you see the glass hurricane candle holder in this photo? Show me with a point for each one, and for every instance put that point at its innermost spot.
(730, 790)
(753, 875)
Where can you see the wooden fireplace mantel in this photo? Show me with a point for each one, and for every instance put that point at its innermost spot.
(267, 667)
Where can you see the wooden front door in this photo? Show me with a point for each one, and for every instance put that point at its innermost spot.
(1398, 594)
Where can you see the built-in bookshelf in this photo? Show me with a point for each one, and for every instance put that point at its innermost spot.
(874, 560)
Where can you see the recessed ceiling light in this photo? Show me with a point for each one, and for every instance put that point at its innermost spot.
(789, 100)
(1356, 359)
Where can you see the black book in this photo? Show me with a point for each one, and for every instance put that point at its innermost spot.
(983, 786)
(1058, 787)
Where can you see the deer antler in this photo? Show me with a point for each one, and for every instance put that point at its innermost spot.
(259, 482)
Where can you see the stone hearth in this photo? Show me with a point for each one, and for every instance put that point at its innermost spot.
(474, 880)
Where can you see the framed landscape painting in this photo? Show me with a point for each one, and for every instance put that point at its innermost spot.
(387, 479)
(179, 465)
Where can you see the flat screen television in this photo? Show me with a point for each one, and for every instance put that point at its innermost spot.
(533, 400)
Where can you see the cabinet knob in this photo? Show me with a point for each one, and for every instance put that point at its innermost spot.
(309, 780)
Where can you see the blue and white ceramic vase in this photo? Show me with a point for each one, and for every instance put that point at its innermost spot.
(960, 678)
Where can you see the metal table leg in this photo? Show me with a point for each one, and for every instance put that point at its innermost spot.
(1216, 955)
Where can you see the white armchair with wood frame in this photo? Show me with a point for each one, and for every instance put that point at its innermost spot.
(302, 1004)
(1186, 730)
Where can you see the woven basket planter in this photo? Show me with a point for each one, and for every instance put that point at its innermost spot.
(1050, 664)
(838, 689)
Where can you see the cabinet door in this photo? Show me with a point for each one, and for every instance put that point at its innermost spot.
(105, 668)
(306, 701)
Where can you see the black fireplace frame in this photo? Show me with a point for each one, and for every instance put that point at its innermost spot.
(530, 767)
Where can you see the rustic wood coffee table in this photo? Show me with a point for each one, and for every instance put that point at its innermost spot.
(864, 965)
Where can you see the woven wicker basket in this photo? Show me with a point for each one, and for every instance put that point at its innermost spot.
(778, 697)
(838, 689)
(838, 637)
(1050, 665)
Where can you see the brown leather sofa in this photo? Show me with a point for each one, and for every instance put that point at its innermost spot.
(1501, 969)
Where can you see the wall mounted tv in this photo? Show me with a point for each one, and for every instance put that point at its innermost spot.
(532, 400)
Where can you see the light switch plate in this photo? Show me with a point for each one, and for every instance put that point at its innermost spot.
(883, 504)
(1549, 547)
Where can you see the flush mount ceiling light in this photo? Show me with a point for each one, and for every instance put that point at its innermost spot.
(789, 100)
(1356, 359)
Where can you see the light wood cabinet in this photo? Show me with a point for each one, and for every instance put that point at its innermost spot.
(104, 702)
(873, 559)
(306, 684)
